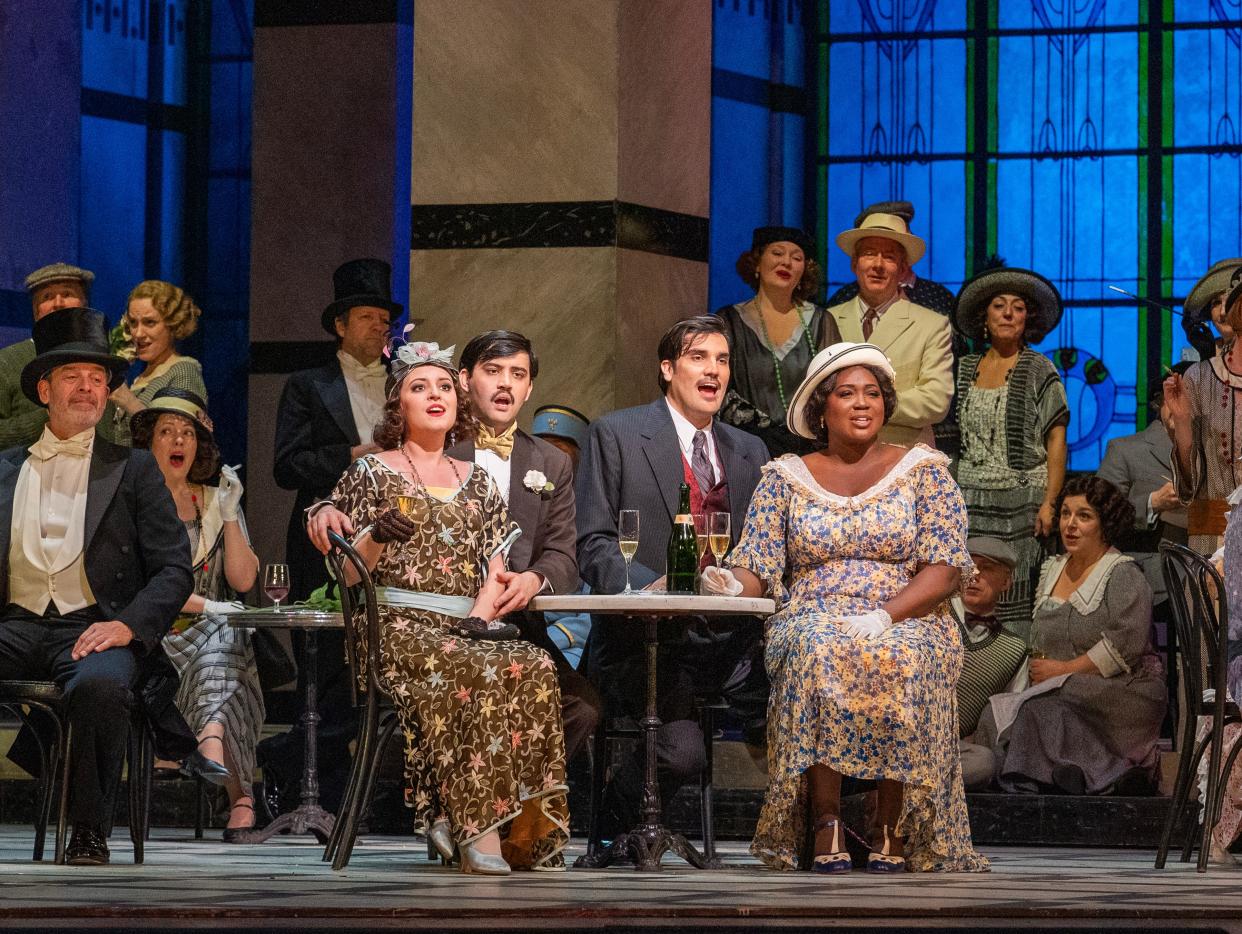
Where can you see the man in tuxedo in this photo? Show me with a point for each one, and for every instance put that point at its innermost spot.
(638, 458)
(96, 562)
(917, 340)
(323, 424)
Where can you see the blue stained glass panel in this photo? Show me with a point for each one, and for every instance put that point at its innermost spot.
(739, 193)
(886, 16)
(114, 48)
(176, 49)
(172, 205)
(741, 40)
(1059, 14)
(1199, 11)
(1207, 225)
(113, 198)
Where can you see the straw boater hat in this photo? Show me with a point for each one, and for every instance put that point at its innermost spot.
(70, 335)
(891, 227)
(824, 364)
(176, 402)
(360, 282)
(1215, 281)
(1042, 298)
(59, 272)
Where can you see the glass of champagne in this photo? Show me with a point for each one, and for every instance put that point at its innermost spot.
(718, 535)
(276, 583)
(701, 532)
(627, 536)
(405, 503)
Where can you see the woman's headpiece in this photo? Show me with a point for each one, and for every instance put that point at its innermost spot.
(407, 356)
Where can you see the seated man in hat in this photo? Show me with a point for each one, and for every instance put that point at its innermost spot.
(917, 340)
(95, 562)
(56, 286)
(993, 656)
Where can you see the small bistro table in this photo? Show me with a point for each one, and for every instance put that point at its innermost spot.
(648, 841)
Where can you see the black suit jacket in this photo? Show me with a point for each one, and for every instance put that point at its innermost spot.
(547, 520)
(633, 461)
(314, 433)
(137, 554)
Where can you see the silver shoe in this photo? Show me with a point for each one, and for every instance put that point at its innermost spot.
(441, 838)
(482, 863)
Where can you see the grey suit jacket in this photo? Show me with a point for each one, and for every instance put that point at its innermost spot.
(632, 461)
(547, 542)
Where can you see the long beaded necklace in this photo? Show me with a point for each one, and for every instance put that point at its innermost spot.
(776, 363)
(434, 506)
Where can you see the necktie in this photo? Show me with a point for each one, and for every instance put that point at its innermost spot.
(870, 317)
(501, 444)
(976, 619)
(48, 446)
(700, 465)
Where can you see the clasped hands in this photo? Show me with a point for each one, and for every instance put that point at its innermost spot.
(722, 582)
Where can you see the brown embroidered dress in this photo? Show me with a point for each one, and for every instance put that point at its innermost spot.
(481, 720)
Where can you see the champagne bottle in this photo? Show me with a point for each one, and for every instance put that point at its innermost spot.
(683, 549)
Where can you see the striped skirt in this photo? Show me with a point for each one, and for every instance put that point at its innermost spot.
(1010, 516)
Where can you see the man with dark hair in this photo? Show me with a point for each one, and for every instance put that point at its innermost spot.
(96, 563)
(323, 424)
(638, 458)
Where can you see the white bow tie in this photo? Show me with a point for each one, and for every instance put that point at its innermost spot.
(48, 446)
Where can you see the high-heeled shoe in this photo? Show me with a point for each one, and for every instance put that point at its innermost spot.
(441, 837)
(838, 859)
(883, 859)
(486, 864)
(237, 834)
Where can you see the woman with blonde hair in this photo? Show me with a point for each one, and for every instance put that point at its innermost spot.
(157, 315)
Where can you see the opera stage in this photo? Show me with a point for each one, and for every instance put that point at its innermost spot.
(282, 885)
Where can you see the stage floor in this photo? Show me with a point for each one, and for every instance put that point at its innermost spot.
(390, 884)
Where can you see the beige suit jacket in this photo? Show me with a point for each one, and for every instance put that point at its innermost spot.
(918, 342)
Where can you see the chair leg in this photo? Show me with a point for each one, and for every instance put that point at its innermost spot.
(62, 813)
(707, 723)
(345, 811)
(137, 792)
(1192, 825)
(599, 770)
(366, 791)
(48, 761)
(1181, 794)
(200, 806)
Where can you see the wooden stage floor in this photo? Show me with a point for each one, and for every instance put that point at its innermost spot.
(283, 885)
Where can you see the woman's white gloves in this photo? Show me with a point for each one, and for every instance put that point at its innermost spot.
(866, 625)
(222, 607)
(719, 582)
(229, 493)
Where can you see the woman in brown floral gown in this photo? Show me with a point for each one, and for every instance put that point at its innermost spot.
(484, 749)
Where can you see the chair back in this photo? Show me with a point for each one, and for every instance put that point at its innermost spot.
(1201, 615)
(342, 553)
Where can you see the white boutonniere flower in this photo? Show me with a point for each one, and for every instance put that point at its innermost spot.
(536, 482)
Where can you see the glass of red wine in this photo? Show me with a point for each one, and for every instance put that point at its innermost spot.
(276, 583)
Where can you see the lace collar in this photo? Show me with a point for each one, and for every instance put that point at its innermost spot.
(795, 470)
(1090, 593)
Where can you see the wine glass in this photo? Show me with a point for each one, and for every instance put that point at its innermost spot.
(627, 537)
(701, 523)
(276, 583)
(718, 535)
(405, 503)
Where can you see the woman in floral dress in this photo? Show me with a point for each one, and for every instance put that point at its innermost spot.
(861, 544)
(484, 748)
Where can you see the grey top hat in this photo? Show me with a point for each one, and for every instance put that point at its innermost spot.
(988, 547)
(1215, 281)
(58, 272)
(1043, 311)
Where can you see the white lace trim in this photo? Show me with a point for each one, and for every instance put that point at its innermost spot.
(1090, 593)
(796, 471)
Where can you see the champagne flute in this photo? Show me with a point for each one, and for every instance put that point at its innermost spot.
(405, 503)
(627, 536)
(701, 532)
(718, 535)
(276, 583)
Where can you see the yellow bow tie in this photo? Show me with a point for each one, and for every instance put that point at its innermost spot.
(48, 446)
(501, 444)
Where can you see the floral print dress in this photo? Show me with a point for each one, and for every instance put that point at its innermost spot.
(872, 709)
(481, 720)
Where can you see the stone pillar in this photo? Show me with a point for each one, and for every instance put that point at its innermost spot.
(560, 182)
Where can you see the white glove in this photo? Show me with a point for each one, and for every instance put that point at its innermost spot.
(229, 493)
(866, 625)
(222, 607)
(719, 581)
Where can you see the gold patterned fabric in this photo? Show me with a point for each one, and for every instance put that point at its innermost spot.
(484, 744)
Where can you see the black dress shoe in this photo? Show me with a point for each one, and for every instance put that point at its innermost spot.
(198, 765)
(87, 847)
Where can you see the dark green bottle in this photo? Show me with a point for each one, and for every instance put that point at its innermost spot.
(683, 550)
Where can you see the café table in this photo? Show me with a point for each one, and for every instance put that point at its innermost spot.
(308, 817)
(647, 843)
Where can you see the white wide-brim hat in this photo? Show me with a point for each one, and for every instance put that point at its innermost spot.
(890, 227)
(824, 364)
(1216, 281)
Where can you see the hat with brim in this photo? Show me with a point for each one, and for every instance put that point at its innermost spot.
(986, 546)
(1214, 282)
(70, 335)
(1235, 290)
(1043, 302)
(824, 364)
(560, 421)
(173, 401)
(888, 226)
(360, 283)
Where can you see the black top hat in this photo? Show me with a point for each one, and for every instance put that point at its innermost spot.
(70, 335)
(360, 282)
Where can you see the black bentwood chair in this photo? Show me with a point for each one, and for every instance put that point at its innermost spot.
(1197, 598)
(377, 720)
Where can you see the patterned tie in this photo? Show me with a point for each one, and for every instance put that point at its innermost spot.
(870, 317)
(700, 464)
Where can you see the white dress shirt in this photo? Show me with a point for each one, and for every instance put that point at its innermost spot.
(365, 383)
(685, 439)
(46, 545)
(499, 469)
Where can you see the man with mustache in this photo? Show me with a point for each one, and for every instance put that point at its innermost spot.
(638, 458)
